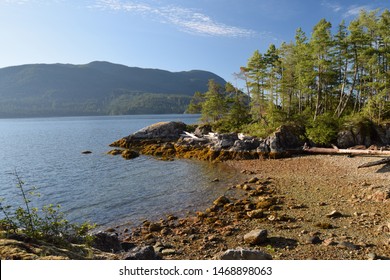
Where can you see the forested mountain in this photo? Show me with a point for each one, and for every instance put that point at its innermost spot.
(97, 88)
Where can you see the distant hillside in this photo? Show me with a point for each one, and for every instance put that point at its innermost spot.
(97, 88)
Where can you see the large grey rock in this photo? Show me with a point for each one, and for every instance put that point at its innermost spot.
(107, 242)
(225, 141)
(256, 237)
(203, 130)
(165, 131)
(285, 137)
(345, 139)
(142, 253)
(245, 145)
(244, 254)
(263, 147)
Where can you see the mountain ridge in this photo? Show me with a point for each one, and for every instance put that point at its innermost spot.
(96, 88)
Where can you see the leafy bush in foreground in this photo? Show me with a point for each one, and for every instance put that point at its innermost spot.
(47, 224)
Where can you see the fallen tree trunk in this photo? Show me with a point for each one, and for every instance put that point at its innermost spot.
(336, 150)
(374, 163)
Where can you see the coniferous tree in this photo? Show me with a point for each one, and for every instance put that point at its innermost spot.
(214, 106)
(321, 47)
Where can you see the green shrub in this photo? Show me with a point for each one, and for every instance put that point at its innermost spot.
(323, 131)
(47, 224)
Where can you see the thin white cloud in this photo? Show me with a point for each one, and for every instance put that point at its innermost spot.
(335, 7)
(346, 11)
(187, 20)
(354, 10)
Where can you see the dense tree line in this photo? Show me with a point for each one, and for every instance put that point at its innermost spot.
(335, 75)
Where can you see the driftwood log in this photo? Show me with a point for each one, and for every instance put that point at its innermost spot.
(378, 162)
(336, 150)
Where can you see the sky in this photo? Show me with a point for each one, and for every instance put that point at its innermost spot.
(212, 35)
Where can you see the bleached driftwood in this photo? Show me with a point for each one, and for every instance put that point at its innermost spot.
(374, 163)
(188, 135)
(336, 150)
(357, 152)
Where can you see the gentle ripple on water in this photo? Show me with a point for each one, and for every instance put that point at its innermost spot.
(98, 187)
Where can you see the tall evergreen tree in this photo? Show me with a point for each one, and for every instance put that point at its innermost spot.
(214, 106)
(256, 74)
(321, 45)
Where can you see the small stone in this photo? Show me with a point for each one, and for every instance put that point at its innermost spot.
(334, 214)
(372, 256)
(347, 245)
(166, 231)
(313, 240)
(329, 242)
(86, 152)
(324, 225)
(171, 217)
(253, 180)
(168, 252)
(243, 254)
(148, 236)
(256, 236)
(255, 214)
(215, 180)
(155, 227)
(222, 200)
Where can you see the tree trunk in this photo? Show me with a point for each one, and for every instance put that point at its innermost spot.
(336, 150)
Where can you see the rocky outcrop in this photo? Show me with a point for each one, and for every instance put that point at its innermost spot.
(169, 140)
(162, 131)
(364, 133)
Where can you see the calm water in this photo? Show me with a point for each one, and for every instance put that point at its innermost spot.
(108, 190)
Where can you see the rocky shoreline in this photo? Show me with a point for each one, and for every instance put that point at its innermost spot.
(168, 140)
(306, 207)
(301, 207)
(295, 208)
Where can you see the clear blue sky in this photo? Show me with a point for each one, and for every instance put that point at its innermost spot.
(213, 35)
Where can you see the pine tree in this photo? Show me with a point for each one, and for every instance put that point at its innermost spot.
(321, 45)
(214, 106)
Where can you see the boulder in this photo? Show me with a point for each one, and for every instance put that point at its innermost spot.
(225, 141)
(107, 242)
(203, 130)
(163, 131)
(243, 254)
(256, 237)
(285, 137)
(362, 133)
(345, 139)
(245, 145)
(142, 253)
(129, 154)
(263, 147)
